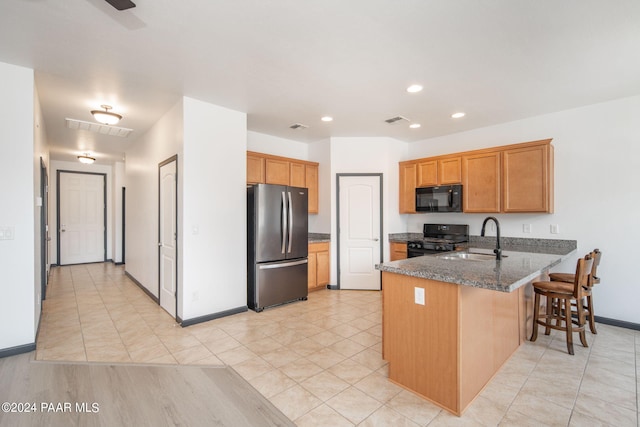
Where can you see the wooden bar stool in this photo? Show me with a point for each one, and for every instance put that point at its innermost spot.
(569, 278)
(560, 296)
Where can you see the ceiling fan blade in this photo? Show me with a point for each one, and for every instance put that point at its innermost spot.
(121, 4)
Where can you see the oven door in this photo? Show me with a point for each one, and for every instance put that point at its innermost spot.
(412, 253)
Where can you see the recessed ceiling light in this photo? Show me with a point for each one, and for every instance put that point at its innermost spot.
(457, 115)
(414, 125)
(327, 119)
(414, 88)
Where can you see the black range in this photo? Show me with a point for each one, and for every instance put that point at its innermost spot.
(438, 238)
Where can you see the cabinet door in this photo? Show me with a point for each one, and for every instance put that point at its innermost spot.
(297, 175)
(255, 169)
(527, 179)
(427, 173)
(323, 270)
(407, 194)
(481, 182)
(450, 171)
(311, 179)
(398, 251)
(311, 270)
(276, 172)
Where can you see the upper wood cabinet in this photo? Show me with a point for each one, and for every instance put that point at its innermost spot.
(439, 171)
(527, 179)
(512, 178)
(481, 182)
(407, 193)
(265, 168)
(255, 169)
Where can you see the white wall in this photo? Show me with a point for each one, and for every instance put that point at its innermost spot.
(368, 155)
(263, 143)
(597, 196)
(214, 215)
(55, 167)
(40, 151)
(163, 140)
(116, 234)
(17, 317)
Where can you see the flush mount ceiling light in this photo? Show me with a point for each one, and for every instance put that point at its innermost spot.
(86, 159)
(414, 88)
(414, 125)
(296, 126)
(457, 115)
(105, 116)
(327, 119)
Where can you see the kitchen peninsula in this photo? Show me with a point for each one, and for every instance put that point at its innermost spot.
(450, 323)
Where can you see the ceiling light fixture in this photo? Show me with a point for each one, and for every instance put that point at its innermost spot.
(414, 88)
(86, 159)
(414, 125)
(105, 116)
(457, 115)
(327, 119)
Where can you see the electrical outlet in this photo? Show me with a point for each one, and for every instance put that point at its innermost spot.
(555, 229)
(526, 228)
(419, 295)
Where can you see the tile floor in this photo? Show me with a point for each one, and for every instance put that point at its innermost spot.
(320, 361)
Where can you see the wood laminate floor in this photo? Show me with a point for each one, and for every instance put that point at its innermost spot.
(96, 394)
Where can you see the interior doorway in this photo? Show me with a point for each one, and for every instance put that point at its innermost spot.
(167, 234)
(359, 230)
(82, 213)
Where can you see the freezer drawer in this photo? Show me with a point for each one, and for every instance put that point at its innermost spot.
(278, 282)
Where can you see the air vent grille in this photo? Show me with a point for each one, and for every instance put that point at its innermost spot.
(298, 126)
(98, 128)
(396, 120)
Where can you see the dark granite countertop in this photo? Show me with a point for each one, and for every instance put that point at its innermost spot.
(319, 237)
(404, 237)
(525, 259)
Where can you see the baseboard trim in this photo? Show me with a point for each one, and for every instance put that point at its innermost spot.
(333, 287)
(212, 316)
(619, 323)
(118, 263)
(20, 349)
(145, 290)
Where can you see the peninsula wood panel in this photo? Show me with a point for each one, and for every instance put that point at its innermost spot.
(420, 341)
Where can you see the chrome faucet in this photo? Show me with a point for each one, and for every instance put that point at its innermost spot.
(497, 250)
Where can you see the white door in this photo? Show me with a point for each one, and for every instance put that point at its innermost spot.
(167, 239)
(359, 232)
(82, 210)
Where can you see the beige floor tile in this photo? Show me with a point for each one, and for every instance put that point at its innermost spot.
(253, 368)
(326, 358)
(353, 404)
(236, 355)
(378, 387)
(350, 371)
(192, 355)
(177, 343)
(306, 346)
(325, 385)
(281, 357)
(366, 339)
(347, 347)
(386, 416)
(413, 407)
(370, 358)
(542, 410)
(295, 402)
(145, 354)
(272, 383)
(323, 416)
(605, 412)
(301, 369)
(264, 345)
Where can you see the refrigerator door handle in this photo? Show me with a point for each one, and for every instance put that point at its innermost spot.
(290, 222)
(284, 223)
(282, 264)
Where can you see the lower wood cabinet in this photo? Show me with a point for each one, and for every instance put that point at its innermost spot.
(319, 267)
(397, 251)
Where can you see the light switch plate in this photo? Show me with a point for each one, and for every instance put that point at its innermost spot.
(526, 228)
(555, 229)
(419, 295)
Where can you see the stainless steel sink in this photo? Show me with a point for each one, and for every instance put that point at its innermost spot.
(468, 256)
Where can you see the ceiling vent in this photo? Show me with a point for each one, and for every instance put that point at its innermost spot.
(98, 128)
(298, 126)
(396, 120)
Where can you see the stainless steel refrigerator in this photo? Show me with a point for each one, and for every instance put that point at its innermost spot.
(277, 245)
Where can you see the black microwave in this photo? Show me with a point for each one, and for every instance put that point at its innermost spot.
(444, 198)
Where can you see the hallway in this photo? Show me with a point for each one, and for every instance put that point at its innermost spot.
(320, 363)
